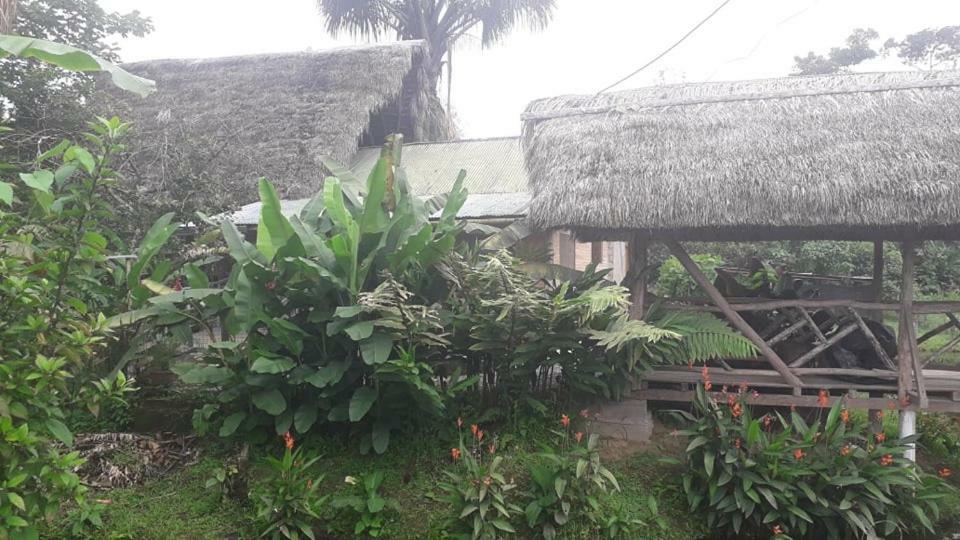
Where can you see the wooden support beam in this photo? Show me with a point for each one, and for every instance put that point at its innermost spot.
(834, 339)
(936, 356)
(936, 331)
(873, 340)
(596, 252)
(637, 265)
(813, 325)
(877, 284)
(789, 331)
(753, 304)
(735, 319)
(784, 400)
(904, 350)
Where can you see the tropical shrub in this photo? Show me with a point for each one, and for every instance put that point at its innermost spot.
(567, 482)
(827, 479)
(481, 499)
(366, 506)
(333, 313)
(674, 282)
(287, 501)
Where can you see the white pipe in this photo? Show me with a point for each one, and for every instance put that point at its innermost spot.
(908, 427)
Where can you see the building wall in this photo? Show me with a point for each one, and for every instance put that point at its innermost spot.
(578, 255)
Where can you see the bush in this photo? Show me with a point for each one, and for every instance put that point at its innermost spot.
(828, 479)
(366, 508)
(287, 501)
(675, 282)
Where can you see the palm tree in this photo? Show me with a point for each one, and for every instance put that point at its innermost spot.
(441, 23)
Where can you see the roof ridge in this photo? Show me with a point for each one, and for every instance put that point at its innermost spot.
(412, 43)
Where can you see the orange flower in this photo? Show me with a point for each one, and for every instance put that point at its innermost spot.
(578, 436)
(799, 454)
(767, 420)
(738, 443)
(777, 530)
(879, 416)
(455, 454)
(737, 410)
(880, 437)
(845, 451)
(288, 440)
(845, 416)
(708, 386)
(945, 472)
(474, 429)
(459, 422)
(705, 373)
(743, 388)
(823, 399)
(479, 435)
(565, 420)
(487, 481)
(886, 460)
(731, 399)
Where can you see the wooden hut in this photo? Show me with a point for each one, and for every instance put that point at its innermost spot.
(860, 157)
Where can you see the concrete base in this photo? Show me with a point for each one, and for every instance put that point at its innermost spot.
(627, 420)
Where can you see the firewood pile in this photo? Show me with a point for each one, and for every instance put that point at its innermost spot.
(125, 459)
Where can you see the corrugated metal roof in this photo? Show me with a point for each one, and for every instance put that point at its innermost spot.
(477, 206)
(496, 179)
(492, 165)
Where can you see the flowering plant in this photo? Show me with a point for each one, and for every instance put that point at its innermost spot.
(567, 481)
(480, 496)
(366, 507)
(287, 501)
(828, 479)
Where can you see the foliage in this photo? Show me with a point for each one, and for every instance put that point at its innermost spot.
(480, 496)
(44, 100)
(675, 282)
(696, 337)
(828, 479)
(288, 503)
(930, 48)
(366, 506)
(567, 482)
(856, 50)
(334, 310)
(940, 439)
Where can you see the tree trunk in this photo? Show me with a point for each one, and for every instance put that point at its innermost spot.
(8, 15)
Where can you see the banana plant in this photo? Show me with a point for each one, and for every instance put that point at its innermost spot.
(333, 310)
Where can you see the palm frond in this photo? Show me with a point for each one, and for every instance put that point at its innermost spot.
(704, 337)
(359, 18)
(623, 332)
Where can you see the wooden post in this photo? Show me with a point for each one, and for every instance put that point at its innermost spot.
(877, 284)
(735, 319)
(904, 349)
(637, 265)
(596, 252)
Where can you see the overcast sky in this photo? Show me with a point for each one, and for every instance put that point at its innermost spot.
(589, 45)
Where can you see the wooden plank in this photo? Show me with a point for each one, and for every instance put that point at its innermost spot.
(637, 265)
(735, 319)
(752, 304)
(950, 344)
(834, 339)
(936, 331)
(785, 400)
(873, 340)
(789, 331)
(813, 324)
(917, 365)
(877, 282)
(904, 350)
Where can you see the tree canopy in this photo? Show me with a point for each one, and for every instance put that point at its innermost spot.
(930, 48)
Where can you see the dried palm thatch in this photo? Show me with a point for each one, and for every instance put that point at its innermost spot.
(216, 125)
(126, 459)
(859, 156)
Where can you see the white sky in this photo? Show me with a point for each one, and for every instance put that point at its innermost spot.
(589, 44)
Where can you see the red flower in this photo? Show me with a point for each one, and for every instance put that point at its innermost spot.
(565, 420)
(945, 472)
(886, 460)
(799, 454)
(777, 530)
(288, 440)
(707, 386)
(845, 451)
(737, 410)
(743, 388)
(578, 436)
(474, 429)
(731, 399)
(479, 435)
(823, 399)
(177, 285)
(705, 373)
(270, 285)
(455, 454)
(845, 416)
(738, 443)
(767, 420)
(880, 437)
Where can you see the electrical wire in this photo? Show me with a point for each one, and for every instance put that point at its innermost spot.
(670, 48)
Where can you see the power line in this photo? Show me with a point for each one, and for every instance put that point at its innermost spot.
(672, 47)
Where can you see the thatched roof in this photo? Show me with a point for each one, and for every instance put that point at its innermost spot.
(228, 121)
(496, 181)
(859, 156)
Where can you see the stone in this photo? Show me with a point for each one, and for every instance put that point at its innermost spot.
(627, 420)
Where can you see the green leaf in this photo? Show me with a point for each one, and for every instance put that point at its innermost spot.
(59, 430)
(708, 460)
(156, 237)
(6, 193)
(376, 349)
(231, 423)
(360, 330)
(274, 231)
(381, 437)
(82, 156)
(363, 398)
(241, 250)
(272, 365)
(17, 501)
(305, 417)
(73, 59)
(39, 180)
(270, 401)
